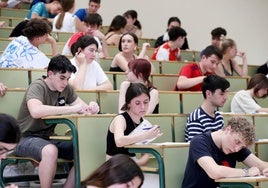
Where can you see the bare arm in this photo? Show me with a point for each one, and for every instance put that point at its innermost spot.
(79, 25)
(53, 43)
(184, 82)
(154, 100)
(142, 53)
(244, 70)
(215, 171)
(103, 53)
(252, 160)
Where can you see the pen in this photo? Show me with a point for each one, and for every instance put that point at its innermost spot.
(148, 128)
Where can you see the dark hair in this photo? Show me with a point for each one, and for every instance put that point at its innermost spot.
(218, 32)
(83, 42)
(134, 36)
(134, 90)
(175, 32)
(212, 50)
(37, 27)
(93, 19)
(60, 64)
(117, 23)
(173, 19)
(141, 67)
(258, 81)
(214, 82)
(10, 131)
(66, 6)
(95, 1)
(134, 15)
(118, 169)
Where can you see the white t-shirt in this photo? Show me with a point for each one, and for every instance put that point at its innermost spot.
(68, 24)
(67, 51)
(242, 102)
(95, 75)
(21, 53)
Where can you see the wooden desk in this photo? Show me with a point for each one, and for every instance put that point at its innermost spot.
(261, 181)
(171, 159)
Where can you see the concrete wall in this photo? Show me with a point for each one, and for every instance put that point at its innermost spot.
(244, 20)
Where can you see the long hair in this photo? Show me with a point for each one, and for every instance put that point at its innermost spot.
(258, 81)
(117, 170)
(66, 6)
(134, 15)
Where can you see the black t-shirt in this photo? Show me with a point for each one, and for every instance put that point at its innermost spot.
(203, 145)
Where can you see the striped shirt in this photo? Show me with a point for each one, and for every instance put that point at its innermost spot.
(199, 122)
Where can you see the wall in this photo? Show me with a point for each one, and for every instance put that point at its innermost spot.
(244, 20)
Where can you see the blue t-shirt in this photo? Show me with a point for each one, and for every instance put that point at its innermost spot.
(40, 10)
(81, 14)
(203, 145)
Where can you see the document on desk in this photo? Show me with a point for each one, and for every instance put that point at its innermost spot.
(144, 126)
(244, 179)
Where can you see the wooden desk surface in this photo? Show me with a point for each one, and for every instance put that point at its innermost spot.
(244, 179)
(160, 145)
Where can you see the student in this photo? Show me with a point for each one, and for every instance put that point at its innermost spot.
(136, 105)
(80, 14)
(127, 45)
(3, 89)
(170, 50)
(133, 24)
(115, 31)
(206, 117)
(119, 171)
(214, 155)
(39, 10)
(228, 64)
(64, 21)
(9, 137)
(89, 75)
(191, 75)
(244, 102)
(44, 97)
(139, 71)
(172, 22)
(217, 36)
(92, 22)
(23, 52)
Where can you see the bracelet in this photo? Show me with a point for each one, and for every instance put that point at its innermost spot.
(246, 172)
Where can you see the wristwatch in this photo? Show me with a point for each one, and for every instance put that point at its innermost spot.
(246, 172)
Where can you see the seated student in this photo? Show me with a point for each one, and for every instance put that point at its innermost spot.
(214, 155)
(9, 137)
(170, 50)
(23, 52)
(89, 75)
(191, 75)
(228, 64)
(80, 14)
(64, 21)
(3, 89)
(39, 10)
(206, 117)
(37, 1)
(217, 36)
(118, 171)
(92, 23)
(139, 71)
(136, 105)
(172, 22)
(127, 45)
(133, 24)
(244, 102)
(44, 97)
(115, 31)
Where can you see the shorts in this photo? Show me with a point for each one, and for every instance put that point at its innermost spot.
(32, 147)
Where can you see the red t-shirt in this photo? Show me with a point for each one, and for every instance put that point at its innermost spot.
(192, 70)
(164, 53)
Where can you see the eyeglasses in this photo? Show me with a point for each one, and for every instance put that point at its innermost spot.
(6, 151)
